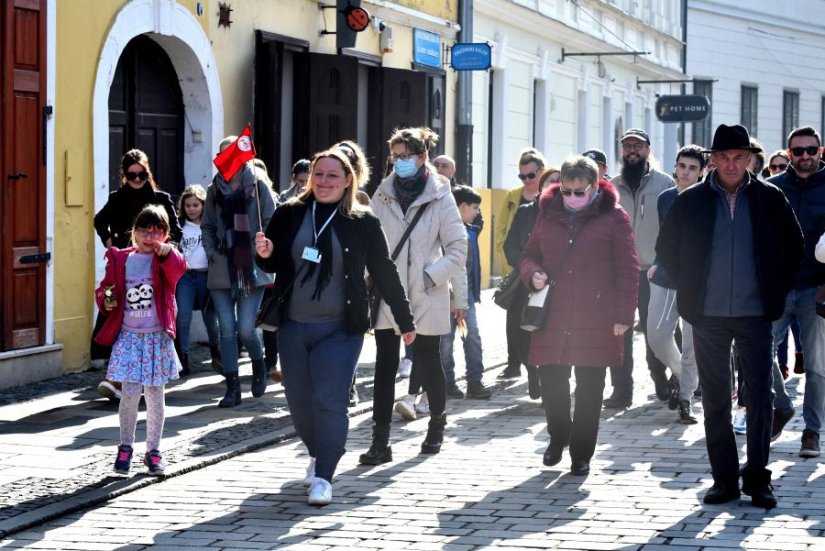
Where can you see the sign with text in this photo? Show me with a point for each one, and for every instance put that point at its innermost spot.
(471, 56)
(682, 108)
(426, 48)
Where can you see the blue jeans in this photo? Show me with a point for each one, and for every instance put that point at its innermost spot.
(318, 362)
(472, 349)
(191, 287)
(800, 304)
(243, 325)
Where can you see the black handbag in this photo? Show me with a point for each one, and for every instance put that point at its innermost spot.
(509, 290)
(271, 313)
(374, 297)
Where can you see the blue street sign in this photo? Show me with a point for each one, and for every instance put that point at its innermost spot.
(471, 56)
(426, 48)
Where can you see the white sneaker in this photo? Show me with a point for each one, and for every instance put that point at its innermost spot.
(423, 405)
(406, 407)
(320, 493)
(109, 389)
(740, 425)
(310, 476)
(404, 368)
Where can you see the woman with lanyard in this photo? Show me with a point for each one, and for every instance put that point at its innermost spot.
(318, 245)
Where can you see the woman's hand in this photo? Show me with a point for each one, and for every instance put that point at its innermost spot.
(651, 271)
(619, 329)
(539, 280)
(408, 338)
(263, 246)
(162, 249)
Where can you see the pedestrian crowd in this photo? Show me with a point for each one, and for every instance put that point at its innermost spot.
(719, 260)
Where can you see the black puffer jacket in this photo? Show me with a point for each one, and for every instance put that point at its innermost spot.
(116, 217)
(364, 246)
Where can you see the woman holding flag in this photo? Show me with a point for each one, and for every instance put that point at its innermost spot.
(238, 205)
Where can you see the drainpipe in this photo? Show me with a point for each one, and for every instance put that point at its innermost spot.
(464, 126)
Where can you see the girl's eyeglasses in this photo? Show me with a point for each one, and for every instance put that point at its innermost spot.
(154, 234)
(578, 193)
(142, 175)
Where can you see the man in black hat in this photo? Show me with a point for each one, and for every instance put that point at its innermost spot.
(733, 246)
(601, 161)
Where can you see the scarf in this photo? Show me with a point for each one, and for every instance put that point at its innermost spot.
(324, 246)
(407, 190)
(237, 238)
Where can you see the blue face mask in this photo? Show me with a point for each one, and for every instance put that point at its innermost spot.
(405, 168)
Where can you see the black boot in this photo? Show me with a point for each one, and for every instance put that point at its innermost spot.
(673, 399)
(380, 450)
(217, 363)
(661, 385)
(233, 391)
(184, 365)
(258, 378)
(758, 486)
(435, 434)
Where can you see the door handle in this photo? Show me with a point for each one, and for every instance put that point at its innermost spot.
(17, 176)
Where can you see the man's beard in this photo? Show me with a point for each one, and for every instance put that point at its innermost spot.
(632, 173)
(809, 165)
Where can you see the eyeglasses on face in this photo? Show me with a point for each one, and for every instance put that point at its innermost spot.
(778, 167)
(142, 175)
(810, 150)
(145, 234)
(578, 193)
(396, 158)
(528, 176)
(633, 146)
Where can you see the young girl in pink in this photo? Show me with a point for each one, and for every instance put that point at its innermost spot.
(137, 295)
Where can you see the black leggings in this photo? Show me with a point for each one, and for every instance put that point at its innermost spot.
(426, 365)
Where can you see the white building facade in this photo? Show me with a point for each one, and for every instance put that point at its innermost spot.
(536, 97)
(765, 62)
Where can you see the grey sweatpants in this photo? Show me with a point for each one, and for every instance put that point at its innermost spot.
(662, 318)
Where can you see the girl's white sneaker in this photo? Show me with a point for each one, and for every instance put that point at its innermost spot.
(320, 493)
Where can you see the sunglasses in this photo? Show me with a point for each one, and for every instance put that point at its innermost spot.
(142, 175)
(783, 166)
(528, 176)
(154, 234)
(578, 193)
(810, 150)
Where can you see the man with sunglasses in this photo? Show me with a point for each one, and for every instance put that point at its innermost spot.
(639, 185)
(530, 168)
(732, 246)
(803, 183)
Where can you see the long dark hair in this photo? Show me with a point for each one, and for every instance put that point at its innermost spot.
(136, 156)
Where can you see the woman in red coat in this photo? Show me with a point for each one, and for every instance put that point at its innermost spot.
(592, 306)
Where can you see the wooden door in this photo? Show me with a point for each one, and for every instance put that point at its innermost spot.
(269, 57)
(23, 257)
(146, 111)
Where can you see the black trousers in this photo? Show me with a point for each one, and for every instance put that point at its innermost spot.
(582, 429)
(621, 377)
(426, 366)
(516, 354)
(712, 340)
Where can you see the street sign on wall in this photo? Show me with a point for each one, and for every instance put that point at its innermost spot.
(426, 48)
(471, 56)
(682, 108)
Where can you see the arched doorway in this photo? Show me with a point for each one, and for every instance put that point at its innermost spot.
(146, 111)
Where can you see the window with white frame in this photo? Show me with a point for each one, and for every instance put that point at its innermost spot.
(748, 108)
(790, 112)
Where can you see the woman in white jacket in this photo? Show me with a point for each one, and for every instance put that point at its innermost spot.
(431, 259)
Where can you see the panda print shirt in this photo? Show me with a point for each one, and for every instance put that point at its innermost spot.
(140, 315)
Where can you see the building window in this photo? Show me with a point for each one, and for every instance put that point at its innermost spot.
(822, 117)
(790, 112)
(703, 130)
(750, 101)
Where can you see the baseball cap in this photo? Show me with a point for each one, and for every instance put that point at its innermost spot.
(636, 133)
(597, 155)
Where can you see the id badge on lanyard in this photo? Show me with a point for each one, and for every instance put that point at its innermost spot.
(312, 254)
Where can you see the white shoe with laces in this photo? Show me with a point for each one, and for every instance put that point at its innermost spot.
(320, 493)
(310, 476)
(404, 368)
(740, 425)
(406, 407)
(423, 405)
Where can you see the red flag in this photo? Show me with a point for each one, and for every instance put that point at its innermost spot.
(230, 160)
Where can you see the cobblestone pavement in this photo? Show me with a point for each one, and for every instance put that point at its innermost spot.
(234, 476)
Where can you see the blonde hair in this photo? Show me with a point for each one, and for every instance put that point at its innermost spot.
(348, 206)
(357, 159)
(532, 155)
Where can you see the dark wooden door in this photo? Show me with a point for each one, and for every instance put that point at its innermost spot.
(22, 173)
(326, 94)
(146, 111)
(269, 60)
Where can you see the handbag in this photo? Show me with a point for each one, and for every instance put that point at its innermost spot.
(538, 302)
(271, 313)
(374, 297)
(508, 290)
(820, 301)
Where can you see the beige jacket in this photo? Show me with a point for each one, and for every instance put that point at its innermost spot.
(643, 212)
(437, 246)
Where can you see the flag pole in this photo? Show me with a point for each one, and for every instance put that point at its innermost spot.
(257, 193)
